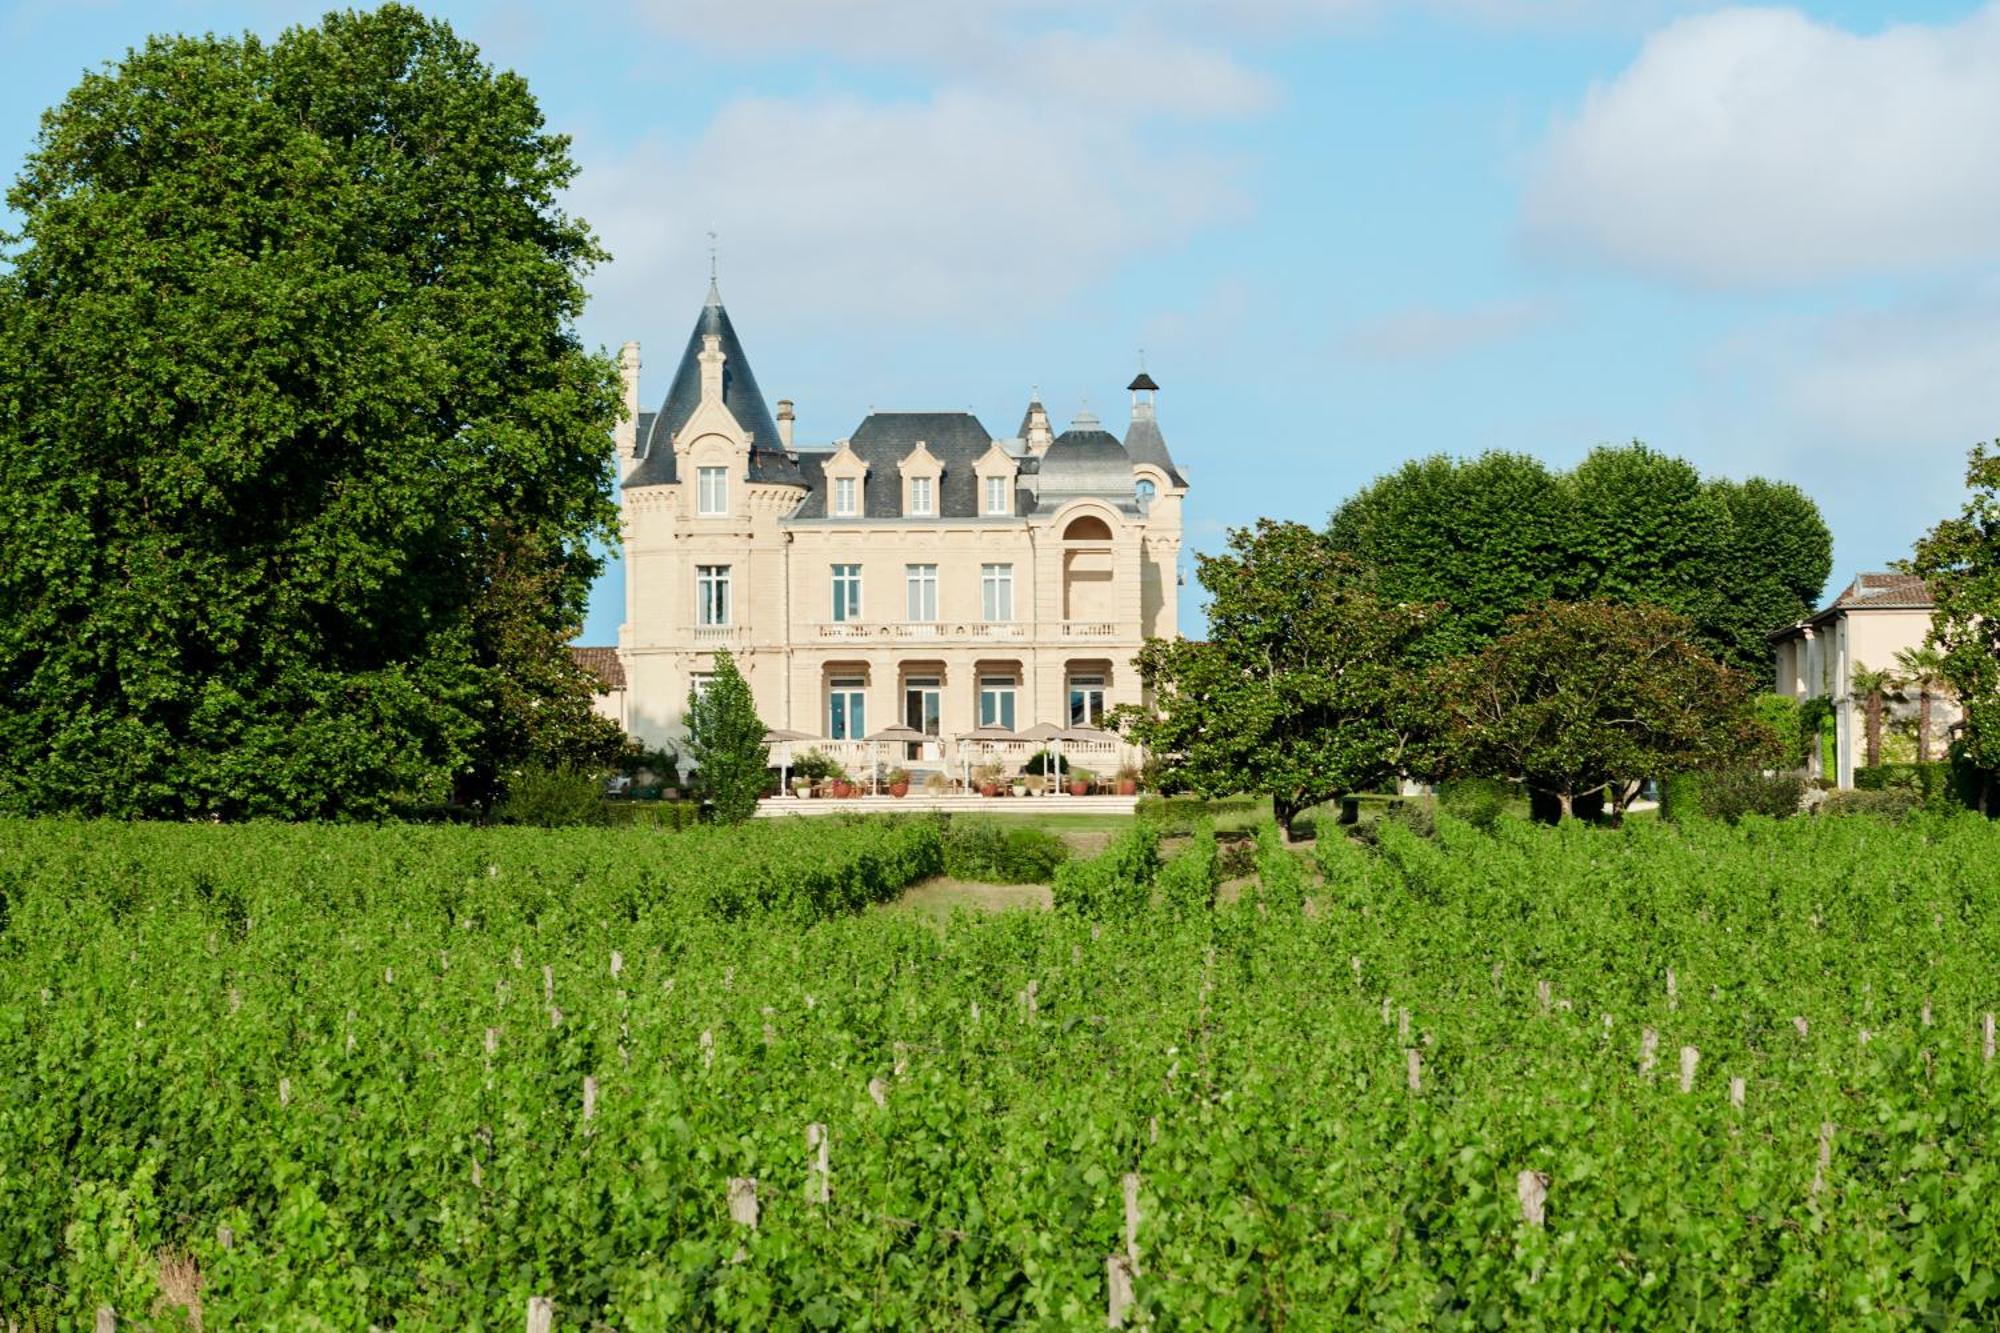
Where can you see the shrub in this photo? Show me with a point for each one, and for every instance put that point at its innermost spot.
(1236, 858)
(817, 765)
(1785, 716)
(1116, 884)
(1187, 883)
(985, 852)
(1894, 804)
(1184, 814)
(1480, 802)
(1418, 816)
(553, 798)
(1733, 793)
(1042, 762)
(1940, 785)
(1281, 876)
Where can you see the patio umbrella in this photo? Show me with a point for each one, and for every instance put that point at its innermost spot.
(899, 732)
(1088, 735)
(782, 737)
(979, 734)
(1046, 732)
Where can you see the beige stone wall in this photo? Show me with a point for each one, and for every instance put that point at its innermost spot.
(1080, 603)
(1822, 664)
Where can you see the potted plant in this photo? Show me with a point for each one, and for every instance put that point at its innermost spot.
(1020, 787)
(988, 776)
(802, 787)
(898, 780)
(1128, 780)
(842, 788)
(1079, 782)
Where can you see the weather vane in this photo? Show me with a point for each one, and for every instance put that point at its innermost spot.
(711, 254)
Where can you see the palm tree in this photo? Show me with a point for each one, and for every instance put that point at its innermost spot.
(1924, 667)
(1870, 686)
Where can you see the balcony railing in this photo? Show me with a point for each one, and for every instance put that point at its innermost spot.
(717, 635)
(939, 631)
(900, 631)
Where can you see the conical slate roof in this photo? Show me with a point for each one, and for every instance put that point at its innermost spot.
(740, 394)
(1145, 444)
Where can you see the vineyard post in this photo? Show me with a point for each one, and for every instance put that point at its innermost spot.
(1987, 1044)
(541, 1314)
(1545, 994)
(1927, 1012)
(1649, 1045)
(1690, 1057)
(1131, 1186)
(1736, 1089)
(819, 1184)
(1415, 1061)
(1673, 992)
(1403, 1025)
(1825, 1156)
(770, 1028)
(1532, 1187)
(589, 1100)
(1799, 1025)
(548, 984)
(107, 1320)
(617, 964)
(878, 1091)
(707, 1048)
(225, 1236)
(743, 1201)
(1117, 1290)
(492, 1042)
(284, 1092)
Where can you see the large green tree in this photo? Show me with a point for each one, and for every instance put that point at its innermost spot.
(1491, 537)
(289, 383)
(1960, 558)
(1578, 699)
(725, 742)
(1304, 688)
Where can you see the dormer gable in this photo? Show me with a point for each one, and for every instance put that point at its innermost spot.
(923, 476)
(996, 471)
(846, 483)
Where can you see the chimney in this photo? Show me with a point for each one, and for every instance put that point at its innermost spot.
(626, 434)
(1037, 432)
(785, 423)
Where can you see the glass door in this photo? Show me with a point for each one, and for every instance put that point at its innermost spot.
(922, 710)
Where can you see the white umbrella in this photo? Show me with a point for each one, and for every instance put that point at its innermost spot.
(979, 734)
(781, 737)
(1088, 735)
(1047, 732)
(899, 732)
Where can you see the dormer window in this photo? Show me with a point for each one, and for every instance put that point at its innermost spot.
(996, 496)
(921, 497)
(713, 497)
(845, 490)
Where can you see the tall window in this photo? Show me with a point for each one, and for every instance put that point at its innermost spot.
(1144, 491)
(922, 582)
(920, 496)
(846, 719)
(996, 702)
(996, 495)
(846, 592)
(699, 682)
(1086, 700)
(711, 590)
(996, 589)
(843, 496)
(714, 490)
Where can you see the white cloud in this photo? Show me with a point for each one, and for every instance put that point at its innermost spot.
(1427, 333)
(1756, 146)
(965, 206)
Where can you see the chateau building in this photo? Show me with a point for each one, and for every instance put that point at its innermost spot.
(922, 573)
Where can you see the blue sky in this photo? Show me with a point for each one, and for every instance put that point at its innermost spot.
(1346, 232)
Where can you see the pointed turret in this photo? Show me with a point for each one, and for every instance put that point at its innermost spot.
(1036, 432)
(1143, 440)
(713, 346)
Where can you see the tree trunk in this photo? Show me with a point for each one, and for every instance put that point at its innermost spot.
(1874, 728)
(1284, 812)
(1545, 807)
(1924, 724)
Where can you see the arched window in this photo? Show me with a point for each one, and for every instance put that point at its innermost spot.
(1087, 528)
(1144, 491)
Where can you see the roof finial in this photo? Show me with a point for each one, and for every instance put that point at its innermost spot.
(1142, 360)
(714, 292)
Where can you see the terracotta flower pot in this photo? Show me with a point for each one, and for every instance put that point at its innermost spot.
(1128, 786)
(987, 789)
(843, 790)
(1079, 789)
(899, 789)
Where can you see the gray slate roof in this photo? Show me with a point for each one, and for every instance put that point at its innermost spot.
(1087, 461)
(883, 441)
(1145, 444)
(740, 394)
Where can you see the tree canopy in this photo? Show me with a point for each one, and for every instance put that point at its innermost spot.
(725, 741)
(289, 383)
(1304, 687)
(1578, 698)
(1960, 558)
(1488, 538)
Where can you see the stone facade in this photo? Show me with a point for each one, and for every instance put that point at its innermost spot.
(922, 572)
